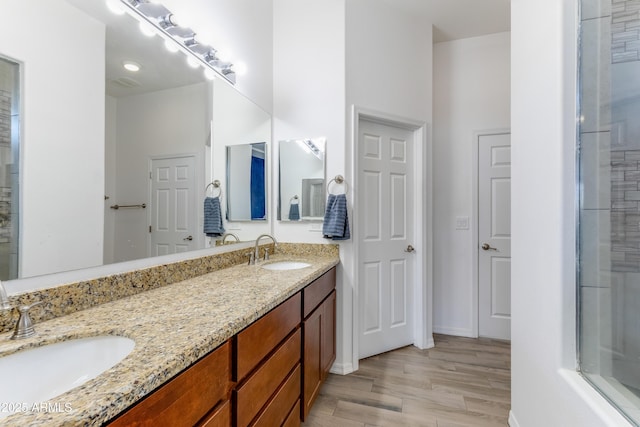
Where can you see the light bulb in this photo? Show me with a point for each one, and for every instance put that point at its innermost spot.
(131, 66)
(147, 29)
(224, 54)
(209, 74)
(240, 68)
(115, 6)
(171, 46)
(193, 62)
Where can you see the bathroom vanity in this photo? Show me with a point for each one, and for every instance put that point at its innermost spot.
(241, 346)
(262, 376)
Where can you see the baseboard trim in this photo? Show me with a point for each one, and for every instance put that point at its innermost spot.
(458, 332)
(342, 368)
(512, 420)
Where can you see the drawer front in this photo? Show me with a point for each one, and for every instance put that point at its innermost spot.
(258, 388)
(188, 397)
(293, 420)
(221, 417)
(278, 408)
(258, 340)
(318, 291)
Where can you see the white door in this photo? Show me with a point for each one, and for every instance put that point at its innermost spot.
(172, 212)
(386, 217)
(494, 236)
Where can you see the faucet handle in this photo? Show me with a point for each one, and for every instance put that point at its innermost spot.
(24, 327)
(252, 258)
(266, 254)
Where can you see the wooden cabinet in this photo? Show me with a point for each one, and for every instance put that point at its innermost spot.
(260, 338)
(268, 375)
(268, 366)
(319, 349)
(201, 392)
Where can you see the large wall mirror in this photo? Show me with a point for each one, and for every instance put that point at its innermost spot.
(302, 186)
(116, 162)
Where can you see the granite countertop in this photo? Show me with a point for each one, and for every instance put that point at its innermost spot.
(172, 326)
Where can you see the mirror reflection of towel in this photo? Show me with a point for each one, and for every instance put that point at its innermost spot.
(294, 212)
(336, 218)
(213, 217)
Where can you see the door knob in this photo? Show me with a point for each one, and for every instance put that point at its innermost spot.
(410, 249)
(486, 247)
(188, 238)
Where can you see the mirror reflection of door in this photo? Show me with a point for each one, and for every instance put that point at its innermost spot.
(9, 163)
(313, 201)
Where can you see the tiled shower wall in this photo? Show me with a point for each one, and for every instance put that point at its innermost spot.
(625, 30)
(625, 172)
(625, 212)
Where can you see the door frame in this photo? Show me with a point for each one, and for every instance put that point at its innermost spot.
(423, 291)
(198, 179)
(475, 219)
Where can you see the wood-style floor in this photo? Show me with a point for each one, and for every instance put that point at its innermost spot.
(460, 382)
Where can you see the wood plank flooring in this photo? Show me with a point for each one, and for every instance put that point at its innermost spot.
(459, 382)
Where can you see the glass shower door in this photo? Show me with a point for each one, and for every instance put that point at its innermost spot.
(609, 201)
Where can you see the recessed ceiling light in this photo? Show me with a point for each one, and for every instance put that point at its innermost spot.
(131, 66)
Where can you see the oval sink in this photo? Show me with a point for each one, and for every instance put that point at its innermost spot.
(286, 265)
(42, 373)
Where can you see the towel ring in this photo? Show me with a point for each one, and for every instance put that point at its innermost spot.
(215, 184)
(339, 179)
(293, 198)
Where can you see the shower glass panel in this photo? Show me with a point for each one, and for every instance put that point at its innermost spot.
(9, 167)
(609, 201)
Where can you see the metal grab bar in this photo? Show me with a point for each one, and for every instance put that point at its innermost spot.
(142, 206)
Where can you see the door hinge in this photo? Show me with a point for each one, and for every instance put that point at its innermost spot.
(149, 229)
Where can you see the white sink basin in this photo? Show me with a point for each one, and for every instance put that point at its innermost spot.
(286, 265)
(39, 374)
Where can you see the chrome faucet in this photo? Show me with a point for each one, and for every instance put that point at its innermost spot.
(257, 248)
(225, 235)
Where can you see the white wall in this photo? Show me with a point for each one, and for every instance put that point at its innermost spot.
(471, 93)
(238, 121)
(62, 133)
(242, 27)
(168, 122)
(545, 387)
(309, 102)
(329, 55)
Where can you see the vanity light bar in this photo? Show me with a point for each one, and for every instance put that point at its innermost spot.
(184, 38)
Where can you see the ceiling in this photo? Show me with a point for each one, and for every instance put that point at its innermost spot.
(460, 19)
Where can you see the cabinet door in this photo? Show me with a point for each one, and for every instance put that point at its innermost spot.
(312, 351)
(185, 399)
(328, 329)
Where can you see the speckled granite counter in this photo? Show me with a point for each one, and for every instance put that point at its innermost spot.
(173, 326)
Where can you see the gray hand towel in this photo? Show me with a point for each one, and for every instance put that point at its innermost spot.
(336, 218)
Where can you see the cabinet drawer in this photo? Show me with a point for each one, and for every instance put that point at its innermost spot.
(293, 419)
(221, 417)
(258, 340)
(258, 388)
(185, 399)
(318, 290)
(278, 408)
